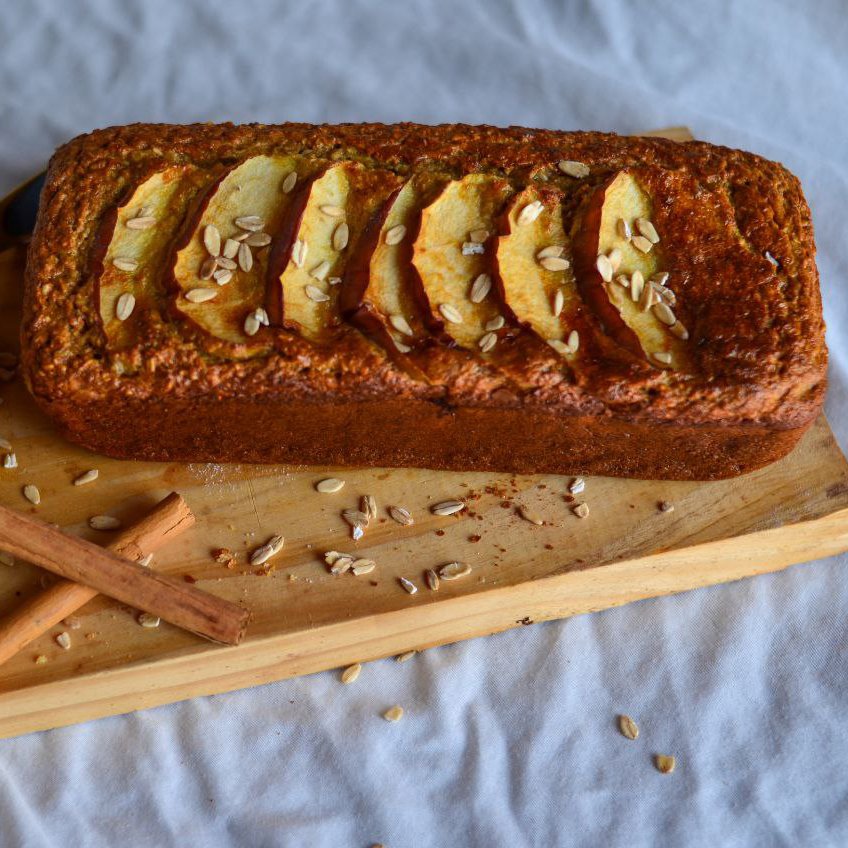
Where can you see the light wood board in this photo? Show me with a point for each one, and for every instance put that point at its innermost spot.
(306, 620)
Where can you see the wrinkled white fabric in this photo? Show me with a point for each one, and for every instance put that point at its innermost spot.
(510, 740)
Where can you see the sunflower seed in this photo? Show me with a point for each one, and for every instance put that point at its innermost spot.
(648, 230)
(577, 485)
(552, 250)
(407, 655)
(495, 324)
(87, 477)
(230, 248)
(574, 169)
(623, 227)
(581, 510)
(664, 313)
(244, 235)
(530, 212)
(212, 240)
(340, 236)
(637, 283)
(332, 211)
(264, 552)
(403, 348)
(142, 222)
(125, 306)
(662, 357)
(394, 713)
(664, 763)
(401, 515)
(262, 316)
(341, 565)
(207, 268)
(201, 295)
(245, 257)
(771, 259)
(450, 313)
(648, 299)
(529, 515)
(298, 253)
(448, 507)
(408, 585)
(104, 522)
(396, 234)
(251, 223)
(554, 263)
(225, 263)
(363, 566)
(615, 258)
(641, 243)
(623, 280)
(432, 580)
(32, 494)
(123, 264)
(478, 236)
(315, 294)
(573, 342)
(222, 276)
(144, 212)
(454, 570)
(660, 278)
(628, 727)
(63, 640)
(10, 461)
(559, 346)
(368, 505)
(289, 182)
(146, 619)
(351, 673)
(679, 330)
(487, 342)
(604, 267)
(472, 248)
(320, 271)
(251, 325)
(258, 240)
(559, 302)
(480, 288)
(330, 485)
(401, 324)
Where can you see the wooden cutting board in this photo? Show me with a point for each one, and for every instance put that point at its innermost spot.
(306, 620)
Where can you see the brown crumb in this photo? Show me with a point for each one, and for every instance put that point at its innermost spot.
(189, 579)
(474, 538)
(440, 532)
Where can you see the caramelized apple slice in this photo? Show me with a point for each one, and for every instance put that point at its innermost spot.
(322, 232)
(452, 256)
(619, 270)
(534, 268)
(130, 246)
(378, 292)
(244, 208)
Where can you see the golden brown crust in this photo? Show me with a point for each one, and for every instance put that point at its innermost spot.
(756, 330)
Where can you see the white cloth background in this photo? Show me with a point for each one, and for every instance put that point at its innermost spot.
(507, 741)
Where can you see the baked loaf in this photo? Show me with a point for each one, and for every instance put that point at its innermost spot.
(456, 297)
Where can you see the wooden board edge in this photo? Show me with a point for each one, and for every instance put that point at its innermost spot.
(265, 660)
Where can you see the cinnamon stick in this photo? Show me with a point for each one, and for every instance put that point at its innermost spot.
(170, 517)
(170, 599)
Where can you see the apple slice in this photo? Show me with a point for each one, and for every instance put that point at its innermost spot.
(534, 269)
(618, 262)
(453, 257)
(321, 233)
(378, 292)
(131, 244)
(246, 207)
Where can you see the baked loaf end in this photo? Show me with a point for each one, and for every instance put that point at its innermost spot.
(443, 296)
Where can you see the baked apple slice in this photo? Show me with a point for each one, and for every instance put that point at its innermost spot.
(618, 262)
(220, 267)
(453, 257)
(534, 269)
(378, 292)
(322, 232)
(131, 245)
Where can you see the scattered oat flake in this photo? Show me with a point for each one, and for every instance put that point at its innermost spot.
(665, 506)
(581, 510)
(432, 580)
(454, 570)
(124, 264)
(396, 234)
(664, 763)
(394, 713)
(289, 181)
(264, 552)
(251, 223)
(341, 236)
(528, 515)
(362, 566)
(351, 673)
(574, 169)
(341, 565)
(145, 561)
(368, 504)
(628, 727)
(448, 507)
(140, 222)
(401, 515)
(72, 622)
(104, 522)
(63, 640)
(330, 485)
(146, 619)
(212, 240)
(530, 212)
(40, 659)
(87, 477)
(577, 485)
(32, 494)
(408, 655)
(408, 585)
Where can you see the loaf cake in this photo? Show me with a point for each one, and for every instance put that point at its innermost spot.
(451, 297)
